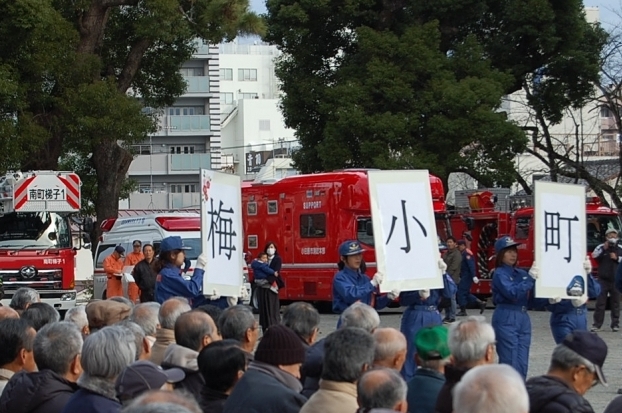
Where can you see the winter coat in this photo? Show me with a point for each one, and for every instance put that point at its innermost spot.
(549, 394)
(350, 286)
(311, 369)
(607, 268)
(185, 359)
(423, 389)
(453, 375)
(164, 338)
(85, 400)
(212, 401)
(37, 392)
(332, 397)
(145, 279)
(453, 259)
(170, 283)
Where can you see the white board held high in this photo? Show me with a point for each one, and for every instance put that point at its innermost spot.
(405, 237)
(221, 233)
(560, 240)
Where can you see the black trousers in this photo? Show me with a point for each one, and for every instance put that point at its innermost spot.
(269, 308)
(607, 288)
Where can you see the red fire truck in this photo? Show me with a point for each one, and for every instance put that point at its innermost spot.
(489, 215)
(307, 217)
(36, 243)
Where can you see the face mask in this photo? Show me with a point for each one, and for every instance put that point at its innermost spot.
(613, 240)
(271, 251)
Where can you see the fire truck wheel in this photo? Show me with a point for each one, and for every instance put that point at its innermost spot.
(254, 302)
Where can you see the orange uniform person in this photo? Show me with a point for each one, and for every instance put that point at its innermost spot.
(113, 266)
(132, 259)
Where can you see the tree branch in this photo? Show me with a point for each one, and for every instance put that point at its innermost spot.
(132, 64)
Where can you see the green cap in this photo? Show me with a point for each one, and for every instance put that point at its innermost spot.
(431, 343)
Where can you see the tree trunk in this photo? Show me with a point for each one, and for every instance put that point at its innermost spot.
(111, 163)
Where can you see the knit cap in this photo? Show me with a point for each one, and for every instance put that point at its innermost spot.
(280, 346)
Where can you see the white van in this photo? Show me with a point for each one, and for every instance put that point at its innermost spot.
(149, 229)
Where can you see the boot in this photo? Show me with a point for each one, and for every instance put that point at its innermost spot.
(462, 312)
(482, 306)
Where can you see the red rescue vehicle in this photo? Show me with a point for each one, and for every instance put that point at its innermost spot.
(308, 217)
(489, 215)
(36, 243)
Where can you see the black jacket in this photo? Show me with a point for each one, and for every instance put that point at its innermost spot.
(551, 395)
(145, 279)
(311, 369)
(193, 383)
(607, 267)
(444, 402)
(212, 401)
(37, 392)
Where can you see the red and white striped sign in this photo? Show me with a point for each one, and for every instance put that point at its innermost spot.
(47, 191)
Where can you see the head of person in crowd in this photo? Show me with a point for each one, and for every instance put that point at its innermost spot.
(362, 316)
(303, 319)
(163, 401)
(281, 347)
(77, 315)
(389, 348)
(238, 323)
(212, 311)
(492, 388)
(382, 388)
(16, 344)
(350, 255)
(142, 376)
(143, 346)
(450, 242)
(461, 245)
(348, 353)
(8, 312)
(170, 311)
(506, 250)
(222, 364)
(195, 330)
(146, 316)
(40, 314)
(105, 354)
(148, 252)
(58, 347)
(103, 313)
(432, 348)
(122, 300)
(23, 298)
(471, 342)
(578, 361)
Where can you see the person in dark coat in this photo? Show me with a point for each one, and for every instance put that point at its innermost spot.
(432, 355)
(268, 300)
(271, 383)
(576, 367)
(608, 256)
(145, 275)
(222, 364)
(143, 376)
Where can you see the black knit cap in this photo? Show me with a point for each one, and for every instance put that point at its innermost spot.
(280, 346)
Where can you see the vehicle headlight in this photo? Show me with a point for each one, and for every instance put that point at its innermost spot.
(68, 297)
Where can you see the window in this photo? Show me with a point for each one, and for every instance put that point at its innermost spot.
(103, 251)
(182, 149)
(364, 231)
(264, 124)
(522, 227)
(185, 111)
(248, 95)
(226, 98)
(190, 188)
(191, 71)
(247, 74)
(313, 225)
(252, 242)
(175, 189)
(251, 208)
(605, 112)
(144, 188)
(273, 208)
(226, 74)
(141, 149)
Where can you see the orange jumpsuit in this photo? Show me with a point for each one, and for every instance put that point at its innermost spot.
(113, 266)
(133, 291)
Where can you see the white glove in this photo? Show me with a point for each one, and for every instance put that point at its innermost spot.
(378, 279)
(587, 266)
(534, 271)
(441, 265)
(231, 301)
(476, 280)
(213, 297)
(201, 261)
(425, 294)
(243, 293)
(579, 301)
(555, 300)
(393, 294)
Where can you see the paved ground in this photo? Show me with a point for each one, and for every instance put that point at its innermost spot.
(541, 347)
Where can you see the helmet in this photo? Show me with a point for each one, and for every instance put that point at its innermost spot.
(504, 242)
(350, 248)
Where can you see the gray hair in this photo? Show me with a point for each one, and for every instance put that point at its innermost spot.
(138, 334)
(156, 408)
(122, 300)
(565, 359)
(170, 311)
(381, 389)
(362, 316)
(107, 352)
(434, 364)
(235, 321)
(469, 339)
(491, 388)
(347, 352)
(191, 328)
(40, 314)
(77, 315)
(166, 401)
(146, 316)
(23, 297)
(56, 345)
(302, 318)
(387, 343)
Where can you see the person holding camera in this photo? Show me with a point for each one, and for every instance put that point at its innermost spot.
(608, 256)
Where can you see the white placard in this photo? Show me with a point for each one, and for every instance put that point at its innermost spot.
(405, 237)
(560, 238)
(221, 233)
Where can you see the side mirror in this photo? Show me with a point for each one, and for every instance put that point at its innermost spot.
(369, 229)
(52, 236)
(87, 246)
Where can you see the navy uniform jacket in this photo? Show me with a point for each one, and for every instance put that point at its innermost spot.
(350, 286)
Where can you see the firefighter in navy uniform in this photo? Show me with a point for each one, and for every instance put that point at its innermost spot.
(467, 278)
(608, 256)
(350, 284)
